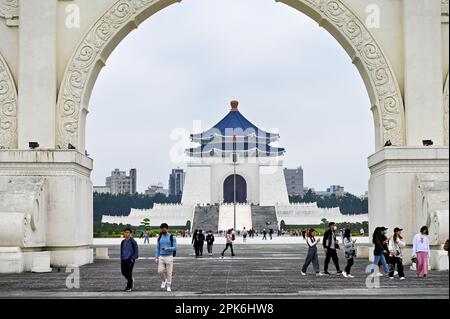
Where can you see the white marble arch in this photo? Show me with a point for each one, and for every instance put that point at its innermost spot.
(8, 108)
(125, 15)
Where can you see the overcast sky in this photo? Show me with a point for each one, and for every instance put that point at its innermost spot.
(187, 62)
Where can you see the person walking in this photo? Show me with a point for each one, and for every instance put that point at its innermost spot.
(312, 256)
(229, 243)
(129, 252)
(147, 238)
(379, 240)
(361, 231)
(198, 240)
(210, 242)
(421, 250)
(264, 234)
(349, 252)
(304, 234)
(396, 244)
(330, 245)
(193, 242)
(271, 233)
(244, 235)
(166, 248)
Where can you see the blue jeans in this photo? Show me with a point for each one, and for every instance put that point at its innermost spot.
(383, 262)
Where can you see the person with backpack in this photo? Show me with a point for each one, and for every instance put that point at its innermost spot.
(396, 244)
(166, 249)
(349, 252)
(229, 243)
(210, 242)
(330, 245)
(312, 254)
(421, 251)
(129, 252)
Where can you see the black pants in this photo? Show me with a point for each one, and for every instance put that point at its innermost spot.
(350, 262)
(226, 248)
(331, 254)
(198, 249)
(395, 261)
(127, 272)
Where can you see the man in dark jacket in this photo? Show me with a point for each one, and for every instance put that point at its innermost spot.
(199, 241)
(129, 252)
(210, 242)
(330, 245)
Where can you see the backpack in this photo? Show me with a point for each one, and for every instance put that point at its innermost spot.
(174, 253)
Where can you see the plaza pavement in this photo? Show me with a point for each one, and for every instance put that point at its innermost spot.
(259, 270)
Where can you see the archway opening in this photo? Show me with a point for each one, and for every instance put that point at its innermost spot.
(235, 185)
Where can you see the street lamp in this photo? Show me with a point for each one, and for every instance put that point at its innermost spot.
(234, 179)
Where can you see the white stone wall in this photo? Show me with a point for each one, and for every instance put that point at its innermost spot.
(172, 214)
(272, 186)
(197, 186)
(310, 214)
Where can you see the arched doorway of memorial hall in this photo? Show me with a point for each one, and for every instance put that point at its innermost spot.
(241, 189)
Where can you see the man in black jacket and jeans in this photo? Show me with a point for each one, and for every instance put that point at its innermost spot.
(129, 252)
(330, 244)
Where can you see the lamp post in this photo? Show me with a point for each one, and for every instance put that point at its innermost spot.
(234, 179)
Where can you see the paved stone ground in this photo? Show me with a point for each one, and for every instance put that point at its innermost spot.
(257, 271)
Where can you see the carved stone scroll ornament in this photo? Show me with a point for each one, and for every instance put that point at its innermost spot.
(9, 9)
(88, 54)
(8, 108)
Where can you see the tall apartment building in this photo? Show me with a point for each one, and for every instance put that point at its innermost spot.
(120, 183)
(176, 181)
(294, 181)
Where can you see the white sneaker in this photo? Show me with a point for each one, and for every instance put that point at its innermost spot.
(391, 278)
(402, 278)
(379, 274)
(319, 274)
(395, 273)
(344, 274)
(350, 276)
(169, 289)
(163, 284)
(303, 274)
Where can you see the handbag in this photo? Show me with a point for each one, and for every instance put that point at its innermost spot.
(350, 254)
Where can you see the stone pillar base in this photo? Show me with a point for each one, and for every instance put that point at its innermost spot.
(11, 260)
(79, 256)
(101, 253)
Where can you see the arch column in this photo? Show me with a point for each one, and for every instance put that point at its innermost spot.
(37, 75)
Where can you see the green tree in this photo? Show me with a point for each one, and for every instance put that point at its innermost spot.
(145, 223)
